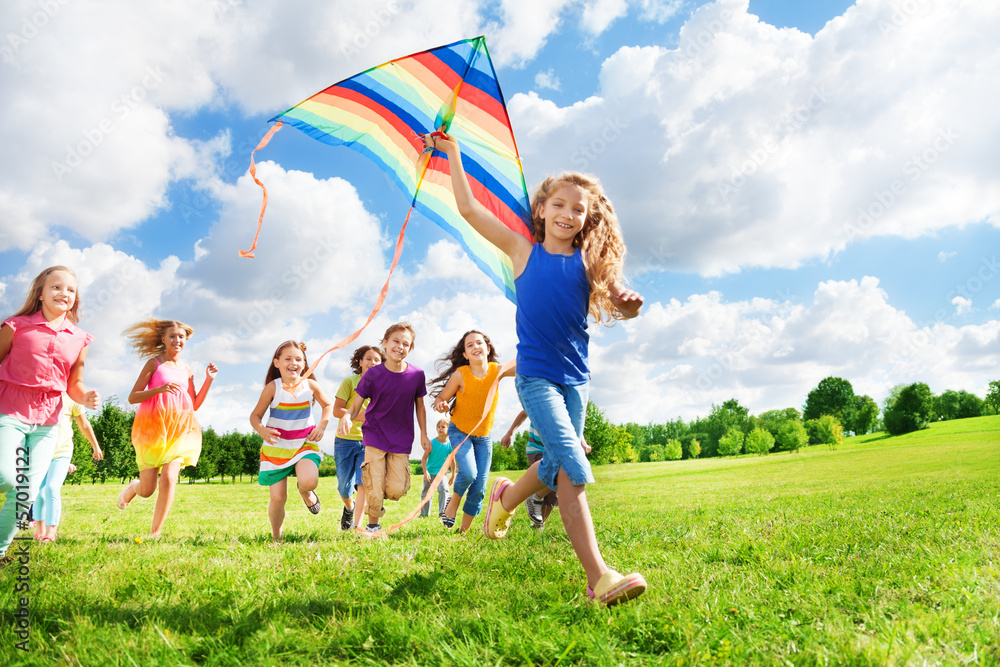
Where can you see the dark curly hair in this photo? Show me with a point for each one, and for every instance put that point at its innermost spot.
(449, 363)
(360, 353)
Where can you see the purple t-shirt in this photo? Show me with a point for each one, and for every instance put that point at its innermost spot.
(389, 415)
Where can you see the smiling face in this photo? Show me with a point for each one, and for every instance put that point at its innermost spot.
(397, 345)
(371, 358)
(174, 339)
(290, 362)
(475, 349)
(564, 213)
(58, 294)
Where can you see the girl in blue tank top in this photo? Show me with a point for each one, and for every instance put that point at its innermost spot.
(572, 270)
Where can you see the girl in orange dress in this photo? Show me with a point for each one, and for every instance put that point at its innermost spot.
(166, 435)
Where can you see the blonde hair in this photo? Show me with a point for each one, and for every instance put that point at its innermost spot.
(441, 421)
(600, 240)
(33, 303)
(146, 337)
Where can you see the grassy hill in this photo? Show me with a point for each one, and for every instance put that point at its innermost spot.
(883, 551)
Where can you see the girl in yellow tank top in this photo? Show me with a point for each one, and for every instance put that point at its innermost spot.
(470, 369)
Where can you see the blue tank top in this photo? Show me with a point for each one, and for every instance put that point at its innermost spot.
(553, 295)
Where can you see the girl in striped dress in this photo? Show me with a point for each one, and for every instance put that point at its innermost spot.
(290, 434)
(469, 371)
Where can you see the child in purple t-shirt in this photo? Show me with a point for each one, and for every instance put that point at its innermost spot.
(396, 391)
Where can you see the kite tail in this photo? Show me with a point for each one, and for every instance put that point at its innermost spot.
(253, 174)
(378, 302)
(447, 462)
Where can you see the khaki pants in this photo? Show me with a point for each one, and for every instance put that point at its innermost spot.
(384, 475)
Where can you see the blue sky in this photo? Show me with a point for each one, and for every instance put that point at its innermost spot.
(807, 188)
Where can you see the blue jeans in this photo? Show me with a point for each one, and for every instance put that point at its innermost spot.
(25, 453)
(48, 504)
(473, 459)
(558, 413)
(348, 455)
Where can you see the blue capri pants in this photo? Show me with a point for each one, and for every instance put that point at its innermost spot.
(473, 460)
(558, 413)
(348, 455)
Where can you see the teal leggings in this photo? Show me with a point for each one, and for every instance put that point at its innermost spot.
(25, 453)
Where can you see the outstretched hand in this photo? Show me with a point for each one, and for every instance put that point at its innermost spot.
(627, 301)
(211, 372)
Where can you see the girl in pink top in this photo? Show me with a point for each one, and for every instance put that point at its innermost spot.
(42, 353)
(165, 433)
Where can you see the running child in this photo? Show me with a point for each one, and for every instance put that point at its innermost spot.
(431, 462)
(471, 368)
(572, 269)
(348, 452)
(540, 504)
(42, 354)
(290, 434)
(165, 433)
(395, 391)
(48, 505)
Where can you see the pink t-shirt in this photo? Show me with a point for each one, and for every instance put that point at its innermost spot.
(36, 370)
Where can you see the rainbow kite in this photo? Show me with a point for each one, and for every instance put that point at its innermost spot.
(384, 112)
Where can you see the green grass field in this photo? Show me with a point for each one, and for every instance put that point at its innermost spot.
(884, 551)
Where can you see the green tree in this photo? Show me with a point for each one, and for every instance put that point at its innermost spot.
(759, 441)
(791, 436)
(731, 443)
(113, 428)
(993, 397)
(723, 419)
(832, 396)
(912, 409)
(83, 457)
(825, 431)
(206, 466)
(864, 415)
(252, 442)
(692, 448)
(672, 451)
(957, 405)
(230, 459)
(601, 435)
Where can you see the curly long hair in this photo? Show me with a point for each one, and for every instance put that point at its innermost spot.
(146, 337)
(450, 362)
(33, 302)
(359, 354)
(600, 239)
(272, 371)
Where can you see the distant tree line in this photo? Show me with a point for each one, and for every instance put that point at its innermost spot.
(831, 410)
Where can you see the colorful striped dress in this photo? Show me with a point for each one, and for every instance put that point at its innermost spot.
(291, 414)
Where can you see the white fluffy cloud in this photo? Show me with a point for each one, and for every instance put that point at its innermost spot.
(747, 145)
(682, 357)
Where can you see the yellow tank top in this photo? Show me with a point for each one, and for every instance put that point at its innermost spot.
(469, 403)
